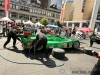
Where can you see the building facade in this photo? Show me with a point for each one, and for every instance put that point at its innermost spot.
(77, 13)
(32, 9)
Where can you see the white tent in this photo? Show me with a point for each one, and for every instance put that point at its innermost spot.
(28, 22)
(39, 24)
(6, 19)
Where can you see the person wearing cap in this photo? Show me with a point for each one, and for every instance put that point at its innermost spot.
(12, 34)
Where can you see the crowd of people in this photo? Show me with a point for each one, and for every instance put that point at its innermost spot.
(20, 27)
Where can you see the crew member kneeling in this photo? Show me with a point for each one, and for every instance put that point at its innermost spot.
(40, 43)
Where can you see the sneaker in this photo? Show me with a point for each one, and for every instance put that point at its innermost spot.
(14, 46)
(4, 47)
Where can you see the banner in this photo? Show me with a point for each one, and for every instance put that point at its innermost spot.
(7, 4)
(40, 3)
(61, 15)
(56, 4)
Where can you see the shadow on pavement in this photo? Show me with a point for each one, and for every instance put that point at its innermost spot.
(49, 62)
(15, 50)
(96, 47)
(79, 51)
(82, 43)
(73, 51)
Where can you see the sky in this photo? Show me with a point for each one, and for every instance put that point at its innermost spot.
(69, 0)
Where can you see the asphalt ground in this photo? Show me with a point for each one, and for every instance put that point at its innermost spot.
(76, 62)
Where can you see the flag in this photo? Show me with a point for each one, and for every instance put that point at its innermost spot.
(7, 4)
(61, 16)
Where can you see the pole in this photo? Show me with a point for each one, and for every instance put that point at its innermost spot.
(7, 12)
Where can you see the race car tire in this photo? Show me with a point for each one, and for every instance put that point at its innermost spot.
(58, 53)
(76, 45)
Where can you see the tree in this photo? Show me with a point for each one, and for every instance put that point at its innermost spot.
(44, 21)
(58, 23)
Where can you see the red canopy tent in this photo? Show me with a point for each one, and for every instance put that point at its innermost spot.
(85, 29)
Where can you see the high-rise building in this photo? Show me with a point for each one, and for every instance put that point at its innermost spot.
(82, 10)
(33, 9)
(67, 10)
(77, 13)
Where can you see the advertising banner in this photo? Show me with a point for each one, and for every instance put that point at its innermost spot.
(7, 4)
(40, 3)
(61, 15)
(15, 1)
(56, 4)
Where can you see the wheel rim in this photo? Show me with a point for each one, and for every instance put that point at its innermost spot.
(76, 45)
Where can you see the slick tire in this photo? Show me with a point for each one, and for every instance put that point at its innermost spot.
(58, 53)
(76, 45)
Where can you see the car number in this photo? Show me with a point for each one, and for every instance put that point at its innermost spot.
(51, 47)
(65, 45)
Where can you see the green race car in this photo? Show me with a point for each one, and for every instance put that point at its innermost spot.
(53, 41)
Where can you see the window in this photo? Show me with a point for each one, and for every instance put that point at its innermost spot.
(53, 15)
(26, 8)
(69, 24)
(50, 14)
(46, 13)
(10, 5)
(30, 9)
(33, 10)
(21, 7)
(84, 25)
(16, 6)
(76, 24)
(42, 12)
(14, 14)
(0, 3)
(39, 11)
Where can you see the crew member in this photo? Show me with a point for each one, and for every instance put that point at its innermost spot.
(96, 68)
(12, 34)
(92, 39)
(40, 43)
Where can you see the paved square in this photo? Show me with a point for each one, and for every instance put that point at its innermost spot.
(76, 62)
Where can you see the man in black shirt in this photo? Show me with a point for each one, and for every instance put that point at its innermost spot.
(11, 34)
(40, 43)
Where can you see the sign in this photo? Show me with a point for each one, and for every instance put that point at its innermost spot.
(56, 4)
(40, 3)
(7, 4)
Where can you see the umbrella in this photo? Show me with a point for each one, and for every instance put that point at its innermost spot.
(52, 25)
(6, 19)
(28, 22)
(85, 29)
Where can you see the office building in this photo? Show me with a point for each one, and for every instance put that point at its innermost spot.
(77, 13)
(32, 9)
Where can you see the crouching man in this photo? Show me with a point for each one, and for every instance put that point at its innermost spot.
(40, 43)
